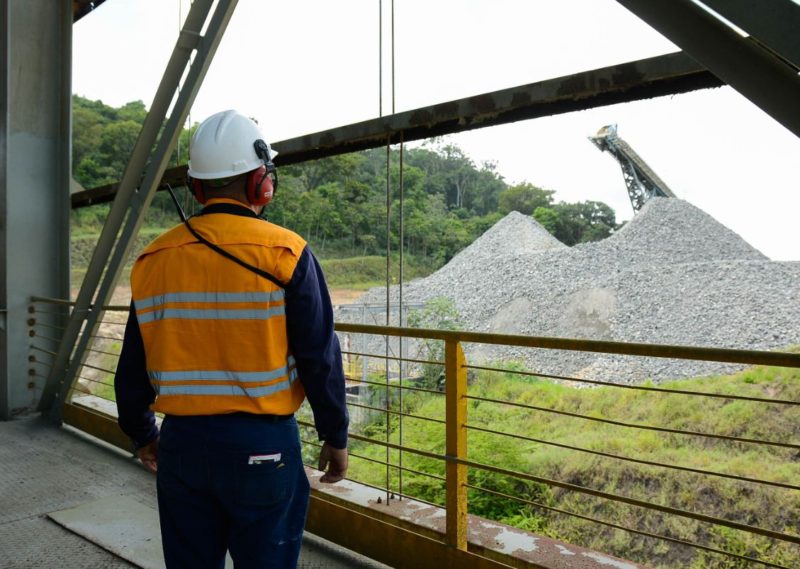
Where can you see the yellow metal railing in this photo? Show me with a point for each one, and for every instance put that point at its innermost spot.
(452, 450)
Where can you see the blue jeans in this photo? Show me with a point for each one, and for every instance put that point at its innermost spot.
(231, 482)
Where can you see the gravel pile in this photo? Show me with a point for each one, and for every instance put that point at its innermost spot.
(526, 233)
(672, 275)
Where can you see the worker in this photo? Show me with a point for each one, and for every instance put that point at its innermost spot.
(230, 327)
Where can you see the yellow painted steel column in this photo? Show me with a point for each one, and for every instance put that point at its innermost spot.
(456, 443)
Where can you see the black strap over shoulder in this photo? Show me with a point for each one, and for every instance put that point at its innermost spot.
(233, 210)
(229, 208)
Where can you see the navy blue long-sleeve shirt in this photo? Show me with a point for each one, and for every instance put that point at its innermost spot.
(312, 341)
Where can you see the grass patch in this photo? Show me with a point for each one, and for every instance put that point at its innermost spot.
(745, 502)
(366, 272)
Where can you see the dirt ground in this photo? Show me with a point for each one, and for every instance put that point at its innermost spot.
(345, 295)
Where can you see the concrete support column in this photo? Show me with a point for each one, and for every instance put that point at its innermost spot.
(35, 155)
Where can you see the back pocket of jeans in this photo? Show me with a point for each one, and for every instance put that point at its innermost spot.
(262, 479)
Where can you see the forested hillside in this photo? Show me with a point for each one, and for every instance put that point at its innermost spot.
(339, 204)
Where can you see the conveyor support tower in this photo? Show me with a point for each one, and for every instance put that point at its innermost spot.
(641, 181)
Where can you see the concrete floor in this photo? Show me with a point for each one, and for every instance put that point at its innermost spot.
(45, 469)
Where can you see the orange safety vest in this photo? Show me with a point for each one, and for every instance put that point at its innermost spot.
(214, 333)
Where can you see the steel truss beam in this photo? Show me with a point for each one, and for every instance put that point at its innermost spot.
(743, 63)
(774, 24)
(644, 79)
(148, 161)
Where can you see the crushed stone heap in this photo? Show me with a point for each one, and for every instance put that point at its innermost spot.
(527, 234)
(672, 275)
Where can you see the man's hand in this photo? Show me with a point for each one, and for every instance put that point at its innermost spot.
(334, 462)
(148, 454)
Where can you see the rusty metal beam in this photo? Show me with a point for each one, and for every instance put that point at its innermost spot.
(98, 425)
(662, 75)
(369, 536)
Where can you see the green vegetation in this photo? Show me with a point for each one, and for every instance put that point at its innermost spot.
(745, 502)
(367, 272)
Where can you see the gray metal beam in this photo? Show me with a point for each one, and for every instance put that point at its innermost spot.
(774, 23)
(647, 78)
(35, 89)
(137, 188)
(5, 379)
(755, 72)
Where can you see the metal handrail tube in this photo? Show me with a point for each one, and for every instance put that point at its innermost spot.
(362, 438)
(112, 323)
(46, 325)
(99, 337)
(63, 302)
(382, 463)
(48, 338)
(784, 359)
(639, 387)
(383, 357)
(625, 528)
(638, 460)
(48, 352)
(99, 368)
(583, 490)
(634, 425)
(33, 310)
(408, 387)
(97, 381)
(101, 352)
(393, 412)
(45, 367)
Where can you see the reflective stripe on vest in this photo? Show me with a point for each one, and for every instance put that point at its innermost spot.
(208, 314)
(218, 297)
(169, 378)
(225, 389)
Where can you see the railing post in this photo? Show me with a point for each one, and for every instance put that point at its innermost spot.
(456, 443)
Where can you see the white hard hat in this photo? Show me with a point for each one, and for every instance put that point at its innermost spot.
(222, 146)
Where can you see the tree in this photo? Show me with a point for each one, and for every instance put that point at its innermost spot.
(524, 198)
(573, 223)
(548, 217)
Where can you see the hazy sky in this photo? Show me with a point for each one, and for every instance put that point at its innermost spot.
(309, 65)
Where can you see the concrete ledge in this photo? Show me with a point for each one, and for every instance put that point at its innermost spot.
(506, 545)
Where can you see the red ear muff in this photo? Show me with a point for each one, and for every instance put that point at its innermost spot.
(259, 186)
(197, 190)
